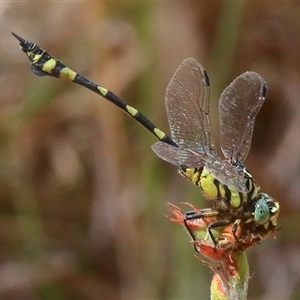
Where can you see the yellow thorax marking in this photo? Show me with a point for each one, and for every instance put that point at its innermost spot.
(208, 186)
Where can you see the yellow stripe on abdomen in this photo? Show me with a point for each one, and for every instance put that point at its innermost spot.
(67, 73)
(49, 65)
(160, 134)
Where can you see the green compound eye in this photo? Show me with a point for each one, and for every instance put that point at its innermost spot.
(262, 210)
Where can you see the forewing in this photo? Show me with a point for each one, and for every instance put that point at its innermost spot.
(238, 106)
(226, 173)
(177, 156)
(187, 104)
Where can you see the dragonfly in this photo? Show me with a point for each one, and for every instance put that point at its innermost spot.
(227, 182)
(231, 189)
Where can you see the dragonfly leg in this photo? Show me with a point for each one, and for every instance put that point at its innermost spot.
(193, 215)
(214, 225)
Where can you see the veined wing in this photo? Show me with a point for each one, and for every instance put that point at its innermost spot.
(178, 156)
(226, 173)
(187, 104)
(222, 170)
(238, 106)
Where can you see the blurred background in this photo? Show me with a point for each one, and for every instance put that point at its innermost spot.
(83, 199)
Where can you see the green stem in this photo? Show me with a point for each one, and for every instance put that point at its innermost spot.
(231, 276)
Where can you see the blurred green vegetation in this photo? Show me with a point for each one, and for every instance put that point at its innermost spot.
(83, 198)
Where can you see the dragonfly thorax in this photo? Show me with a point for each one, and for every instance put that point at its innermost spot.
(225, 197)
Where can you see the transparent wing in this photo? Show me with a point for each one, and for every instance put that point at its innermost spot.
(177, 156)
(226, 173)
(238, 106)
(187, 104)
(220, 169)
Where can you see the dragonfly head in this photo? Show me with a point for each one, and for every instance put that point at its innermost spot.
(265, 210)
